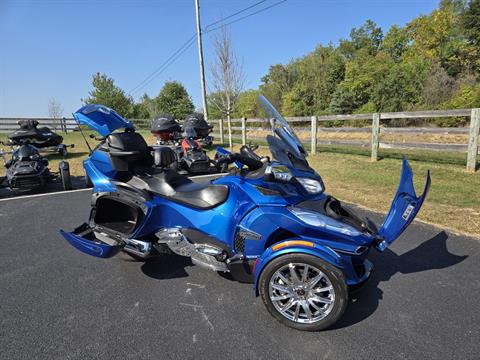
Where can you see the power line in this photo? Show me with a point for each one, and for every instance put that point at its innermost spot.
(165, 65)
(247, 16)
(234, 14)
(190, 42)
(157, 71)
(181, 49)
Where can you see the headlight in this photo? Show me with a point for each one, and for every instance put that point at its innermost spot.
(319, 220)
(311, 186)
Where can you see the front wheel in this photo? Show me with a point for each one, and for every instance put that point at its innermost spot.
(303, 291)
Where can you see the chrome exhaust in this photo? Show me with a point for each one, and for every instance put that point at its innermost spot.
(138, 247)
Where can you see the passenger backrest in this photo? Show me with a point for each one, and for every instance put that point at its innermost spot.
(128, 142)
(164, 156)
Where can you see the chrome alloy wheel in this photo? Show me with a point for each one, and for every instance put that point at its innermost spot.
(301, 293)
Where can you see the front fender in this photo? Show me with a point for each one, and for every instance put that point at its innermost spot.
(320, 251)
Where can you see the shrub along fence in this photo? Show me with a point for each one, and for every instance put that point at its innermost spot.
(255, 129)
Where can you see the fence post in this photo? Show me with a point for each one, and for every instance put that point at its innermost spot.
(375, 136)
(473, 140)
(222, 137)
(244, 131)
(63, 124)
(313, 148)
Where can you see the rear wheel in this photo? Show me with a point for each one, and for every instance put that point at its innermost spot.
(65, 175)
(303, 291)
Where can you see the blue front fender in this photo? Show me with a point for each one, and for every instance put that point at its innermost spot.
(322, 252)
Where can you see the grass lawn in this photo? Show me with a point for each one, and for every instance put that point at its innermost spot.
(453, 201)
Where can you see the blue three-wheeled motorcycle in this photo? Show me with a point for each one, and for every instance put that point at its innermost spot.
(268, 222)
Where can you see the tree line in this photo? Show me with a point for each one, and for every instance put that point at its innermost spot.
(433, 62)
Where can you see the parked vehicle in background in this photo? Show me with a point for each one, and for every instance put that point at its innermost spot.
(27, 170)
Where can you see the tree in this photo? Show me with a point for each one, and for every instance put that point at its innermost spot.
(438, 87)
(213, 111)
(247, 105)
(55, 109)
(172, 99)
(105, 92)
(316, 78)
(395, 42)
(401, 88)
(470, 21)
(227, 77)
(368, 37)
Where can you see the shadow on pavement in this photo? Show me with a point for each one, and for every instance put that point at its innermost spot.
(387, 264)
(166, 267)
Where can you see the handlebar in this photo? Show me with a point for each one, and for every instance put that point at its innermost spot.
(252, 164)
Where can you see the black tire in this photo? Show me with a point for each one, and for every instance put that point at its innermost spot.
(334, 275)
(65, 176)
(88, 181)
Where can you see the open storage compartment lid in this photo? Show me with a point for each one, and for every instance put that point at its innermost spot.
(101, 119)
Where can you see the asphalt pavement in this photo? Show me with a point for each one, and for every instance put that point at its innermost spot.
(57, 303)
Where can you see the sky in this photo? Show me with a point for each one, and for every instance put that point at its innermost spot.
(51, 48)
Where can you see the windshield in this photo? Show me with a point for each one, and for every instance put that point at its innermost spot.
(286, 147)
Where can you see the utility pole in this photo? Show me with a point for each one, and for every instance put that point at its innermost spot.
(200, 57)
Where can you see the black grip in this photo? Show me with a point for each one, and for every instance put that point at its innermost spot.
(252, 164)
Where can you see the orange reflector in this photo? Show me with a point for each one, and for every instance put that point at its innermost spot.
(292, 243)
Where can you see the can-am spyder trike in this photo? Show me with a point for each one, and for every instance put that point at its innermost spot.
(270, 222)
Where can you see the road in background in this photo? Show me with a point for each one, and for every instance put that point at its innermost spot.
(57, 303)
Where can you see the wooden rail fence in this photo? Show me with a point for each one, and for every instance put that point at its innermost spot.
(8, 125)
(471, 148)
(313, 124)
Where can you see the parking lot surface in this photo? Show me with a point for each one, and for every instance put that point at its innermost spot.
(57, 303)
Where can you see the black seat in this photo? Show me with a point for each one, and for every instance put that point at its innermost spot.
(131, 156)
(169, 184)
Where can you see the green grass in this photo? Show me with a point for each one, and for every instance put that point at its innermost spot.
(453, 201)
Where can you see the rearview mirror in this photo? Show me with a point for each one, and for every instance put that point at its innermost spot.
(277, 173)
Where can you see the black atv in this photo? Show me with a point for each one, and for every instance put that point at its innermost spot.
(27, 170)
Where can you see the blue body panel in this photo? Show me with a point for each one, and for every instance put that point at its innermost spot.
(405, 207)
(97, 249)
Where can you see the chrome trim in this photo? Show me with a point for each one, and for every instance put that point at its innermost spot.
(358, 251)
(248, 234)
(202, 255)
(138, 247)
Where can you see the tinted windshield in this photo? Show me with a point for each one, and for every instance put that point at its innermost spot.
(287, 141)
